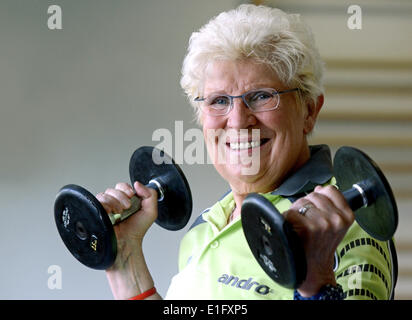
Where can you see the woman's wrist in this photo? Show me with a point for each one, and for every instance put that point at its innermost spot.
(129, 276)
(313, 284)
(327, 292)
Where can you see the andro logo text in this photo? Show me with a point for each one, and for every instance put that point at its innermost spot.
(244, 284)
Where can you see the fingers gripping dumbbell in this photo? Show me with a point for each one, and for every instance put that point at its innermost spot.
(87, 230)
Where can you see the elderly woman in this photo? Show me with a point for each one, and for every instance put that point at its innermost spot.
(256, 69)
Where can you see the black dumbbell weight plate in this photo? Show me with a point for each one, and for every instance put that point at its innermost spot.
(175, 209)
(84, 227)
(273, 242)
(380, 218)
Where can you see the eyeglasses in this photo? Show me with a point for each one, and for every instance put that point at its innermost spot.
(258, 100)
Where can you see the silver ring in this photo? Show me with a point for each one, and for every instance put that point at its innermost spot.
(305, 208)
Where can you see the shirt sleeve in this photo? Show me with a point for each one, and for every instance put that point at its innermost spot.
(365, 266)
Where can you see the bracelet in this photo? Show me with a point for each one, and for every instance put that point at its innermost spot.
(327, 292)
(144, 295)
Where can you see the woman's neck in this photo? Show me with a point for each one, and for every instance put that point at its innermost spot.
(241, 192)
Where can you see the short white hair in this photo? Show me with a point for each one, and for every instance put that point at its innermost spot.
(266, 35)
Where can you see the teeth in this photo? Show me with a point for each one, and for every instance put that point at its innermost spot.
(244, 145)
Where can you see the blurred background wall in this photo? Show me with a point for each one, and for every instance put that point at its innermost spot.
(76, 102)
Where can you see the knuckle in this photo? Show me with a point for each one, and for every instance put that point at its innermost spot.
(120, 185)
(309, 196)
(109, 190)
(349, 220)
(313, 196)
(342, 222)
(337, 222)
(300, 202)
(310, 229)
(324, 224)
(123, 186)
(297, 204)
(330, 188)
(100, 196)
(115, 193)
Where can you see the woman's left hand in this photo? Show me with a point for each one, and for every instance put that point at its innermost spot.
(321, 229)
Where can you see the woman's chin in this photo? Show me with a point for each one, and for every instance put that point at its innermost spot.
(239, 175)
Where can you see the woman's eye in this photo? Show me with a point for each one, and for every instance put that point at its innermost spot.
(219, 101)
(261, 96)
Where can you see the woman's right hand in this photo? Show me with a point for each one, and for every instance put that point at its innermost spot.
(117, 200)
(129, 275)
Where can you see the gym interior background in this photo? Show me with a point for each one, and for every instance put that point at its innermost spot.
(76, 102)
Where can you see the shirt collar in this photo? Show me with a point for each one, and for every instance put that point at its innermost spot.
(317, 170)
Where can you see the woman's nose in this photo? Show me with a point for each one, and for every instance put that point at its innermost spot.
(240, 116)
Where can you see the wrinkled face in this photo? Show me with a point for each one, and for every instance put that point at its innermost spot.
(254, 151)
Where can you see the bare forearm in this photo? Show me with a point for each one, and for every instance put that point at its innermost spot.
(129, 276)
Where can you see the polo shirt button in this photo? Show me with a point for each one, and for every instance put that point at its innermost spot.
(214, 244)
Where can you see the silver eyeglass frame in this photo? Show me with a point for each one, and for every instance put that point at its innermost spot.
(201, 99)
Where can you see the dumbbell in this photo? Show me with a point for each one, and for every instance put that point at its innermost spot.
(87, 230)
(277, 247)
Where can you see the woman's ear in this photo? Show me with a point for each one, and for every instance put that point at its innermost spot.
(311, 116)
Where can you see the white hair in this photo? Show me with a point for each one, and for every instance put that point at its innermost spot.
(266, 35)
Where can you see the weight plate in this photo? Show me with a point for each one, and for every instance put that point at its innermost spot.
(379, 219)
(175, 209)
(84, 227)
(273, 242)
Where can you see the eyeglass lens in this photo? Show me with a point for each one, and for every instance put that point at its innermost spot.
(257, 100)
